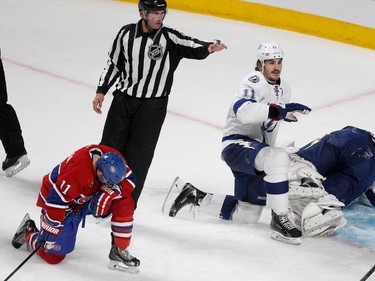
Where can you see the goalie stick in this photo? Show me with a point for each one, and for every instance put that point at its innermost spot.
(368, 274)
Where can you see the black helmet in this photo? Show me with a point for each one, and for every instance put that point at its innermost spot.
(152, 5)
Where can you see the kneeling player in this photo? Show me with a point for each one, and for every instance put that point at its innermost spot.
(325, 175)
(93, 180)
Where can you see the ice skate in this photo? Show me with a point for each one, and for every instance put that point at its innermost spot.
(14, 165)
(26, 225)
(284, 229)
(121, 260)
(176, 186)
(189, 195)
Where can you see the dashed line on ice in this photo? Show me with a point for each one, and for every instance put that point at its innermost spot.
(181, 115)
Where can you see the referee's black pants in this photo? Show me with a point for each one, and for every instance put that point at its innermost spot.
(10, 129)
(133, 127)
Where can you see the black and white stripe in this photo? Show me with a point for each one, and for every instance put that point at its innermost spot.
(136, 72)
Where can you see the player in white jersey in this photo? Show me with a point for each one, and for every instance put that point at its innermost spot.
(260, 169)
(325, 176)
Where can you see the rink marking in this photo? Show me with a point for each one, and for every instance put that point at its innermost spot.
(338, 237)
(47, 73)
(172, 112)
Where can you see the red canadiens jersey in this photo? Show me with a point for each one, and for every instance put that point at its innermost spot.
(73, 182)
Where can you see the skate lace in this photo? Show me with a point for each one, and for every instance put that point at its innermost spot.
(124, 254)
(285, 222)
(189, 199)
(125, 257)
(187, 202)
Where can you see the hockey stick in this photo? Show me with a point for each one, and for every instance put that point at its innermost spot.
(22, 263)
(367, 275)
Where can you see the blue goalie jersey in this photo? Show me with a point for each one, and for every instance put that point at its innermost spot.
(346, 159)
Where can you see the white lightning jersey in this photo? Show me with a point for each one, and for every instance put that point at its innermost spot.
(248, 114)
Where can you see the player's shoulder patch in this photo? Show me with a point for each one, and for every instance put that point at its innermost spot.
(253, 79)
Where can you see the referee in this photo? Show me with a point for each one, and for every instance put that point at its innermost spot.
(142, 62)
(10, 132)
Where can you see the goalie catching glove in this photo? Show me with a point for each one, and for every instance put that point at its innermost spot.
(102, 200)
(280, 112)
(300, 168)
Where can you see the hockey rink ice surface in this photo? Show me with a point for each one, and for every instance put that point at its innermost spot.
(53, 53)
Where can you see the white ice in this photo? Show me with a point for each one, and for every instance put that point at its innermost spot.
(53, 54)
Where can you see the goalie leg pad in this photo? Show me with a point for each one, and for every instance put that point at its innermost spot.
(317, 221)
(330, 202)
(298, 191)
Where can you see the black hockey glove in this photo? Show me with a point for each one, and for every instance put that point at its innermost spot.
(278, 112)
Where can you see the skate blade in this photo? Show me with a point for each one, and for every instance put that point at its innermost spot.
(289, 240)
(21, 164)
(117, 265)
(176, 187)
(15, 243)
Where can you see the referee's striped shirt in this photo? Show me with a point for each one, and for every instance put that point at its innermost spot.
(143, 64)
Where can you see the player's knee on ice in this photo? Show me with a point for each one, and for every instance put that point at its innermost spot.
(229, 208)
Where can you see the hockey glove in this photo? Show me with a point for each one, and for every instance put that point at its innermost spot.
(50, 230)
(102, 200)
(300, 168)
(277, 112)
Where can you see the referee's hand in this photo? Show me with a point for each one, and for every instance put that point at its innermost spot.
(97, 103)
(217, 46)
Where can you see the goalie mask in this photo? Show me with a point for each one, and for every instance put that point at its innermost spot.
(113, 168)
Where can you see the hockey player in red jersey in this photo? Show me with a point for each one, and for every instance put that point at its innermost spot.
(94, 180)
